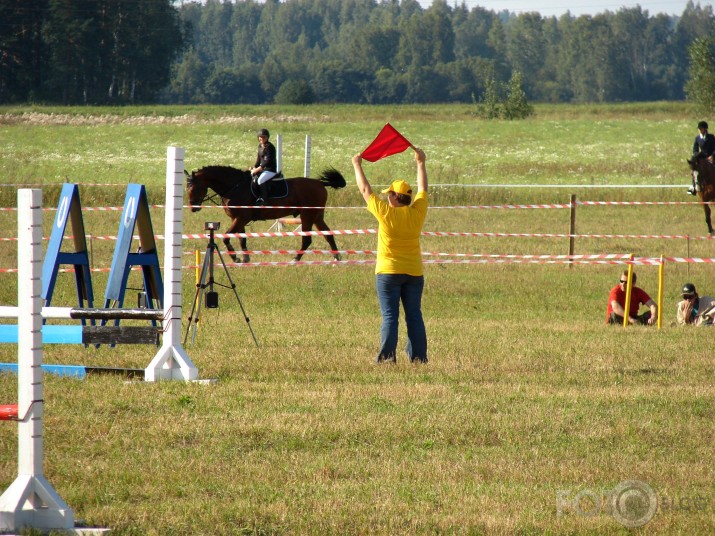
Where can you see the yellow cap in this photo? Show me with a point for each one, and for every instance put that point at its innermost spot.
(399, 187)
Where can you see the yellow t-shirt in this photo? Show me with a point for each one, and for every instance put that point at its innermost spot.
(398, 235)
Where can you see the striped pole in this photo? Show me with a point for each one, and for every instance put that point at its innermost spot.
(306, 167)
(172, 362)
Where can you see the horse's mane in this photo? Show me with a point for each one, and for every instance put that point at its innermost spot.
(223, 179)
(225, 171)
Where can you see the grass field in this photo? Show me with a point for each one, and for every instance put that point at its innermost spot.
(531, 411)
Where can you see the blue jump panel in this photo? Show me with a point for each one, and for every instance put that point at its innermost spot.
(74, 371)
(50, 334)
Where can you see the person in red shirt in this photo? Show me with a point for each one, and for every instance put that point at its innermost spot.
(617, 304)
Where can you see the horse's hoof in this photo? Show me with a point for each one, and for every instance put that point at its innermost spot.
(234, 258)
(337, 257)
(246, 259)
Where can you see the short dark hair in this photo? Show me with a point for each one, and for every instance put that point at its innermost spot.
(625, 273)
(404, 199)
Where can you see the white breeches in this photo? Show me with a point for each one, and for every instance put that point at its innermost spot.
(265, 176)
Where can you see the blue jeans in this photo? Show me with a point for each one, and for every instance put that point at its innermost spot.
(391, 290)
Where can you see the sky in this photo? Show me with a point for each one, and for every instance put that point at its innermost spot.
(548, 8)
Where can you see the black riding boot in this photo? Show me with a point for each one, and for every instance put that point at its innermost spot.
(263, 193)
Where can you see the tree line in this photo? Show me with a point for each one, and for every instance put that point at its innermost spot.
(353, 51)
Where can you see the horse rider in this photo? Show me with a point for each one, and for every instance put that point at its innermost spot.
(265, 167)
(703, 147)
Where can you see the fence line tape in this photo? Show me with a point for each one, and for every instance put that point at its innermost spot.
(461, 207)
(476, 258)
(374, 231)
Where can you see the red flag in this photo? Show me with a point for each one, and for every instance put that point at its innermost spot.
(387, 143)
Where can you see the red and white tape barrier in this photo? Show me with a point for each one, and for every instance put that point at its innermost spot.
(461, 207)
(424, 233)
(468, 258)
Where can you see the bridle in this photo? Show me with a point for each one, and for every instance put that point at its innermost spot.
(214, 198)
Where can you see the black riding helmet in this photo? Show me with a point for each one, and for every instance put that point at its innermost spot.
(264, 132)
(703, 124)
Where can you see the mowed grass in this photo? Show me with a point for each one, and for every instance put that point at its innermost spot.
(528, 400)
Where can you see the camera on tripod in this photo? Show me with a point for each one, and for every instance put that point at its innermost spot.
(211, 295)
(206, 282)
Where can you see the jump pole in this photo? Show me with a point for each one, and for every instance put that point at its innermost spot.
(171, 361)
(306, 164)
(31, 501)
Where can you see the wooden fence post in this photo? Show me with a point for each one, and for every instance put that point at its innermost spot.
(572, 228)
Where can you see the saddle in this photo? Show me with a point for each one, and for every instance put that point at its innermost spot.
(277, 187)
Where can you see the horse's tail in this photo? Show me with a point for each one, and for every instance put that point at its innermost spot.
(333, 178)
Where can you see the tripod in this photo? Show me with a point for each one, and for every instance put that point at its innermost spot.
(211, 296)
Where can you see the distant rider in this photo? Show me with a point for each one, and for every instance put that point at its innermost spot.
(265, 167)
(703, 147)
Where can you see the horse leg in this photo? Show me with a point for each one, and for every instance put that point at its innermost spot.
(244, 247)
(706, 208)
(229, 249)
(237, 227)
(322, 226)
(306, 219)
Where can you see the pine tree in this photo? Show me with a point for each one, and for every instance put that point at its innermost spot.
(516, 106)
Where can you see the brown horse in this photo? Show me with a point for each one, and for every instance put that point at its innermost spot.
(236, 188)
(704, 173)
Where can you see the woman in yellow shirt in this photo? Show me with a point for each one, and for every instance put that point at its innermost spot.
(399, 276)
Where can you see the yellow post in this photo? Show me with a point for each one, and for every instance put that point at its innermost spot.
(197, 259)
(661, 278)
(629, 286)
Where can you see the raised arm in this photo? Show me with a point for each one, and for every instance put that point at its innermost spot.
(421, 170)
(360, 178)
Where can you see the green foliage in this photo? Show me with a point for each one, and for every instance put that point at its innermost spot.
(294, 92)
(516, 106)
(491, 105)
(701, 85)
(95, 52)
(504, 101)
(372, 52)
(234, 86)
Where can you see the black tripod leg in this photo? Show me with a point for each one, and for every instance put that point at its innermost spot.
(233, 287)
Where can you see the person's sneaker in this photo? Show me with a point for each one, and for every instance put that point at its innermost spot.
(692, 191)
(384, 359)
